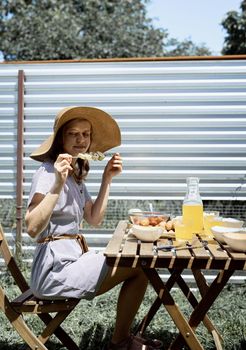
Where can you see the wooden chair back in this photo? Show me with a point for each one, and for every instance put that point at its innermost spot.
(26, 302)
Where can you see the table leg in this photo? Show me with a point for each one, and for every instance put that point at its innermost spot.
(201, 282)
(158, 302)
(193, 301)
(177, 278)
(203, 288)
(204, 305)
(173, 310)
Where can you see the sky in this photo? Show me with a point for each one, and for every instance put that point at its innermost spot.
(198, 20)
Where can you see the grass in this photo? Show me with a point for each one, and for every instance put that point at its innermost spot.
(91, 323)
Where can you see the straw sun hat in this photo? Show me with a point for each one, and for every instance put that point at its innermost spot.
(105, 131)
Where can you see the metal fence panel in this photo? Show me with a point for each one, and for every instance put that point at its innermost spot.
(177, 117)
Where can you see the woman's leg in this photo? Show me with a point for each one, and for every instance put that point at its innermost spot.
(130, 297)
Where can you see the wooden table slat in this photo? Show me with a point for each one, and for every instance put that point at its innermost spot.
(235, 255)
(201, 253)
(183, 253)
(130, 247)
(115, 243)
(163, 253)
(217, 252)
(146, 249)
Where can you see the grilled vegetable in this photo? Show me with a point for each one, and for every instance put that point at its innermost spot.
(91, 156)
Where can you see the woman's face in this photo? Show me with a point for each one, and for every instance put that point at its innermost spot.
(76, 137)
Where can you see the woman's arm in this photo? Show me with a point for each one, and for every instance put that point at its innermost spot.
(41, 207)
(94, 212)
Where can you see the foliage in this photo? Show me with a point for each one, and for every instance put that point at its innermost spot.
(8, 213)
(75, 29)
(235, 25)
(186, 48)
(58, 29)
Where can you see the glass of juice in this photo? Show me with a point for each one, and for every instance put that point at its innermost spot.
(210, 221)
(182, 230)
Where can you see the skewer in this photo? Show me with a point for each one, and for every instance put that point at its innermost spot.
(90, 156)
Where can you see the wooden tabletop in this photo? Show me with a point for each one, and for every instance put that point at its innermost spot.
(125, 250)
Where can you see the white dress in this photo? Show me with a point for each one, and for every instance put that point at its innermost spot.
(60, 269)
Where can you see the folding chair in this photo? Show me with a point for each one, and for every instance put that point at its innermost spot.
(28, 303)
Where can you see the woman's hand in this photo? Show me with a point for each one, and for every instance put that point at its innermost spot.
(62, 166)
(94, 212)
(113, 168)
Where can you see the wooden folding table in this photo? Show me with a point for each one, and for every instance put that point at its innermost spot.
(125, 250)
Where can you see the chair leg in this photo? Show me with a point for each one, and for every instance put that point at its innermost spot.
(19, 324)
(53, 327)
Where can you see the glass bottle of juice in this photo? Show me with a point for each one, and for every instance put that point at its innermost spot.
(193, 207)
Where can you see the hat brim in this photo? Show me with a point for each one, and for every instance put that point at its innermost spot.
(105, 131)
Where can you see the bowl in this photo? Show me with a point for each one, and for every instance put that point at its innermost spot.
(231, 222)
(147, 218)
(236, 240)
(147, 233)
(218, 232)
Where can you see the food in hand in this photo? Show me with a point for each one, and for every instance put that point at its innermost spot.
(91, 156)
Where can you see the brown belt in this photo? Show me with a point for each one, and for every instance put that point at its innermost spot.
(79, 237)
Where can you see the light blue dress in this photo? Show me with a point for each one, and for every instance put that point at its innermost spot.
(60, 269)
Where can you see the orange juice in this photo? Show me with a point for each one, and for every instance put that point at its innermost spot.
(193, 217)
(209, 221)
(182, 231)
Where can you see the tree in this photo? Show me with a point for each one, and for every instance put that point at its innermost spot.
(75, 29)
(235, 25)
(61, 29)
(186, 48)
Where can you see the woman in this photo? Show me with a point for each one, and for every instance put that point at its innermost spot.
(57, 204)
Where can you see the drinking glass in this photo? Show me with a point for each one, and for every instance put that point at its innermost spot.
(211, 220)
(182, 231)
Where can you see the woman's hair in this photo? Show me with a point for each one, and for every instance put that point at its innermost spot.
(83, 165)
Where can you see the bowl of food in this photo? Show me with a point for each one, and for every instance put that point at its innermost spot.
(147, 233)
(219, 231)
(236, 240)
(148, 218)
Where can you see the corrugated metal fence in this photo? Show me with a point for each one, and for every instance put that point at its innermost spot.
(178, 117)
